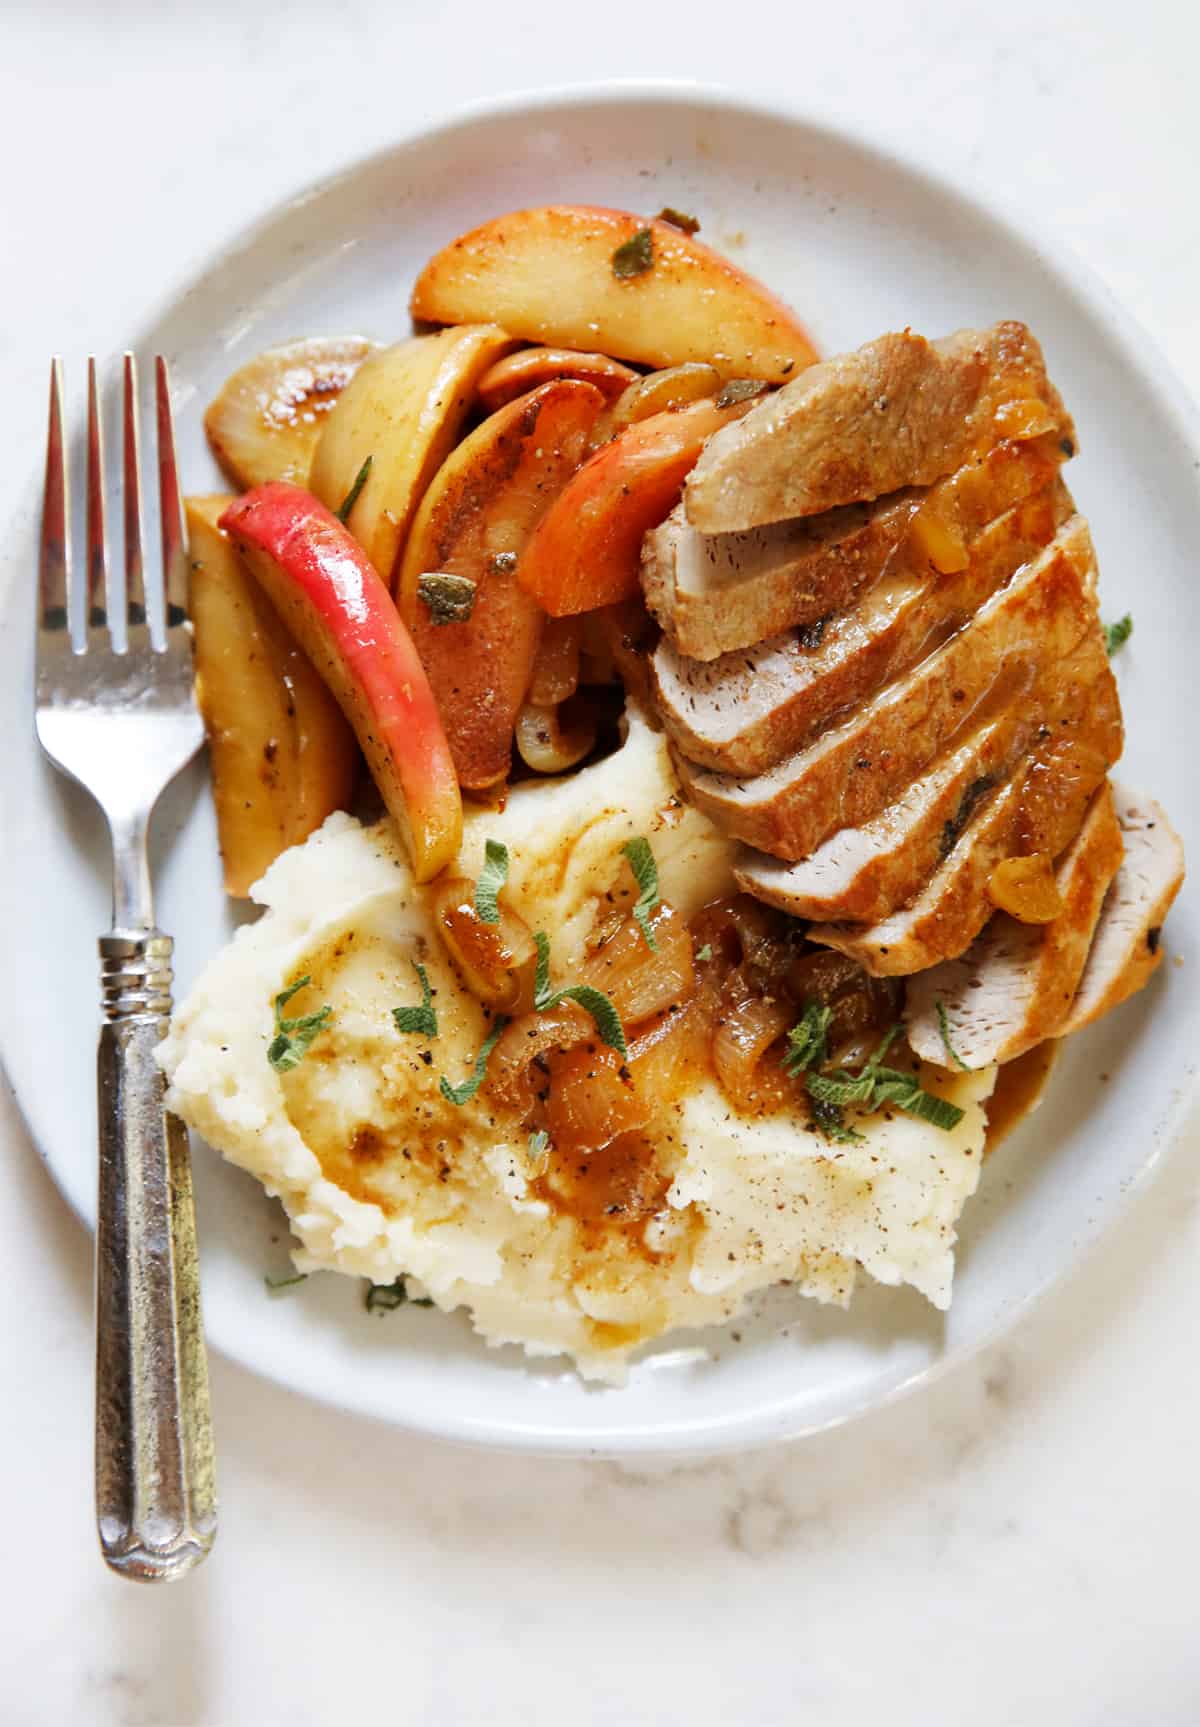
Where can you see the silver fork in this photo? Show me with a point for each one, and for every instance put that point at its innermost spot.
(116, 711)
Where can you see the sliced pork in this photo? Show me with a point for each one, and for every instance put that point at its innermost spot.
(1127, 948)
(852, 771)
(715, 593)
(1040, 809)
(1015, 984)
(898, 412)
(744, 712)
(863, 873)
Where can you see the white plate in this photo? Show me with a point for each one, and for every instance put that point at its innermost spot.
(858, 243)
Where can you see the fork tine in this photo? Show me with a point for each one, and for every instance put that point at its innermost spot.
(55, 559)
(135, 589)
(174, 538)
(97, 551)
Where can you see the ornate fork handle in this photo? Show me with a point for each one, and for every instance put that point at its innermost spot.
(155, 1494)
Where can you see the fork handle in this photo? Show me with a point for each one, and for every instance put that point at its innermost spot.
(155, 1492)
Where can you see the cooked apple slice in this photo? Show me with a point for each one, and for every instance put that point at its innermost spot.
(402, 412)
(265, 423)
(579, 277)
(474, 522)
(516, 374)
(587, 548)
(282, 756)
(325, 588)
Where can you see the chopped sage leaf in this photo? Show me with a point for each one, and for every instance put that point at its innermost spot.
(633, 257)
(645, 873)
(293, 1037)
(829, 1119)
(944, 1028)
(740, 390)
(450, 599)
(808, 1042)
(873, 1088)
(539, 1145)
(461, 1094)
(704, 953)
(387, 1297)
(1116, 635)
(276, 1283)
(593, 1001)
(492, 878)
(351, 498)
(678, 219)
(422, 1021)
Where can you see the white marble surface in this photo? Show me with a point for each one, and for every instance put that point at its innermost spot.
(1017, 1545)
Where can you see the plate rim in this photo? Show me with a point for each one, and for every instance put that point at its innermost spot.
(770, 1423)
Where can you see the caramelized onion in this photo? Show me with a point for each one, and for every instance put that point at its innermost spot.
(497, 960)
(669, 1048)
(552, 739)
(638, 982)
(592, 1098)
(1025, 888)
(742, 930)
(938, 539)
(512, 1076)
(748, 1025)
(628, 635)
(822, 975)
(656, 393)
(596, 663)
(556, 668)
(1022, 419)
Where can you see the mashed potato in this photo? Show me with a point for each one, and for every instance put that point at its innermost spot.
(381, 1175)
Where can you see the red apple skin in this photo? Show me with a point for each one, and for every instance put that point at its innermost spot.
(327, 591)
(585, 551)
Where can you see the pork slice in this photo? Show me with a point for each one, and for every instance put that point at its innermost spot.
(851, 772)
(863, 873)
(1069, 761)
(745, 711)
(899, 411)
(715, 593)
(1127, 947)
(1015, 984)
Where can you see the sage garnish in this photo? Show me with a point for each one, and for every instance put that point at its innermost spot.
(460, 1094)
(633, 257)
(351, 498)
(645, 873)
(678, 219)
(277, 1283)
(1116, 635)
(740, 390)
(593, 1001)
(944, 1028)
(450, 599)
(387, 1297)
(422, 1020)
(293, 1037)
(492, 878)
(808, 1041)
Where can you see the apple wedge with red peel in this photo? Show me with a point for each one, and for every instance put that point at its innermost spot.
(281, 753)
(475, 521)
(402, 413)
(575, 276)
(587, 549)
(516, 374)
(329, 594)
